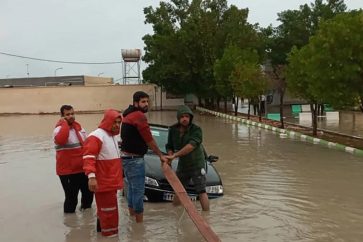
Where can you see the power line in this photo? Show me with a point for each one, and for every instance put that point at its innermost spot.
(64, 62)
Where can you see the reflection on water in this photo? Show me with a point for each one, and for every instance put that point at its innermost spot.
(348, 123)
(275, 189)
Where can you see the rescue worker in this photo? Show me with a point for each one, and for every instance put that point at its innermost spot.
(69, 137)
(103, 166)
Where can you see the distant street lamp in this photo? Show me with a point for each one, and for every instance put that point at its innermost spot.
(55, 71)
(100, 73)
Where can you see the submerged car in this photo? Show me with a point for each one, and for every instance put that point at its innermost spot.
(157, 188)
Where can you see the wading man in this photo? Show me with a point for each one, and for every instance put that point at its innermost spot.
(69, 137)
(103, 166)
(136, 138)
(185, 142)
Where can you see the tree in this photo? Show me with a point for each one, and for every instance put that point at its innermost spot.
(183, 48)
(247, 78)
(330, 68)
(296, 27)
(236, 34)
(298, 75)
(160, 48)
(223, 69)
(337, 62)
(188, 38)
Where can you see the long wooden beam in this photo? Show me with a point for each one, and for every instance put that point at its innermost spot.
(198, 220)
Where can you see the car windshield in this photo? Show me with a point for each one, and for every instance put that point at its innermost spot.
(161, 137)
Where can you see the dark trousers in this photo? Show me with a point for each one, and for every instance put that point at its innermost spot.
(71, 186)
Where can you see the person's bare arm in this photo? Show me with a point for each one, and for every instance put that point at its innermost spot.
(184, 151)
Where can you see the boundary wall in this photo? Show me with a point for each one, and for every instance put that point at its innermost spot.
(42, 100)
(288, 133)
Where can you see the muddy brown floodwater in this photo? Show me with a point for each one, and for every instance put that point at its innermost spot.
(275, 189)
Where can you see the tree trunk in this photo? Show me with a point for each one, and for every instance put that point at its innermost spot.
(225, 104)
(282, 94)
(322, 110)
(314, 109)
(199, 101)
(161, 98)
(235, 106)
(318, 109)
(259, 109)
(249, 109)
(254, 106)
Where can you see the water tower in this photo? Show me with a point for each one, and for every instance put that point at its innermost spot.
(131, 66)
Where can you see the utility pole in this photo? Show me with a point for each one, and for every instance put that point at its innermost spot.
(27, 70)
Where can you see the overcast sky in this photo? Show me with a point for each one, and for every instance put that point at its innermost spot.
(91, 31)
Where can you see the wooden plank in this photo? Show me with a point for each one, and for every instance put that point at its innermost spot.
(197, 219)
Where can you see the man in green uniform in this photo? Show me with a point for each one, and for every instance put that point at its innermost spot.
(185, 142)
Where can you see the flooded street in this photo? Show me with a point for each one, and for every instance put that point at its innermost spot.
(346, 122)
(350, 123)
(276, 189)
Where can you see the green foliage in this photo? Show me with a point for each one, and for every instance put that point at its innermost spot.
(161, 49)
(223, 69)
(247, 77)
(298, 76)
(208, 48)
(295, 30)
(188, 38)
(330, 68)
(181, 48)
(297, 26)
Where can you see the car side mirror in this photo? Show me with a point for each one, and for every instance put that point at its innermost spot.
(212, 158)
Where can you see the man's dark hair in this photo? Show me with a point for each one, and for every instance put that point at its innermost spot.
(65, 107)
(138, 95)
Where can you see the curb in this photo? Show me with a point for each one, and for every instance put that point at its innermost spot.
(288, 133)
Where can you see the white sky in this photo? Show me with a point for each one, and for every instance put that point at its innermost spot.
(91, 31)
